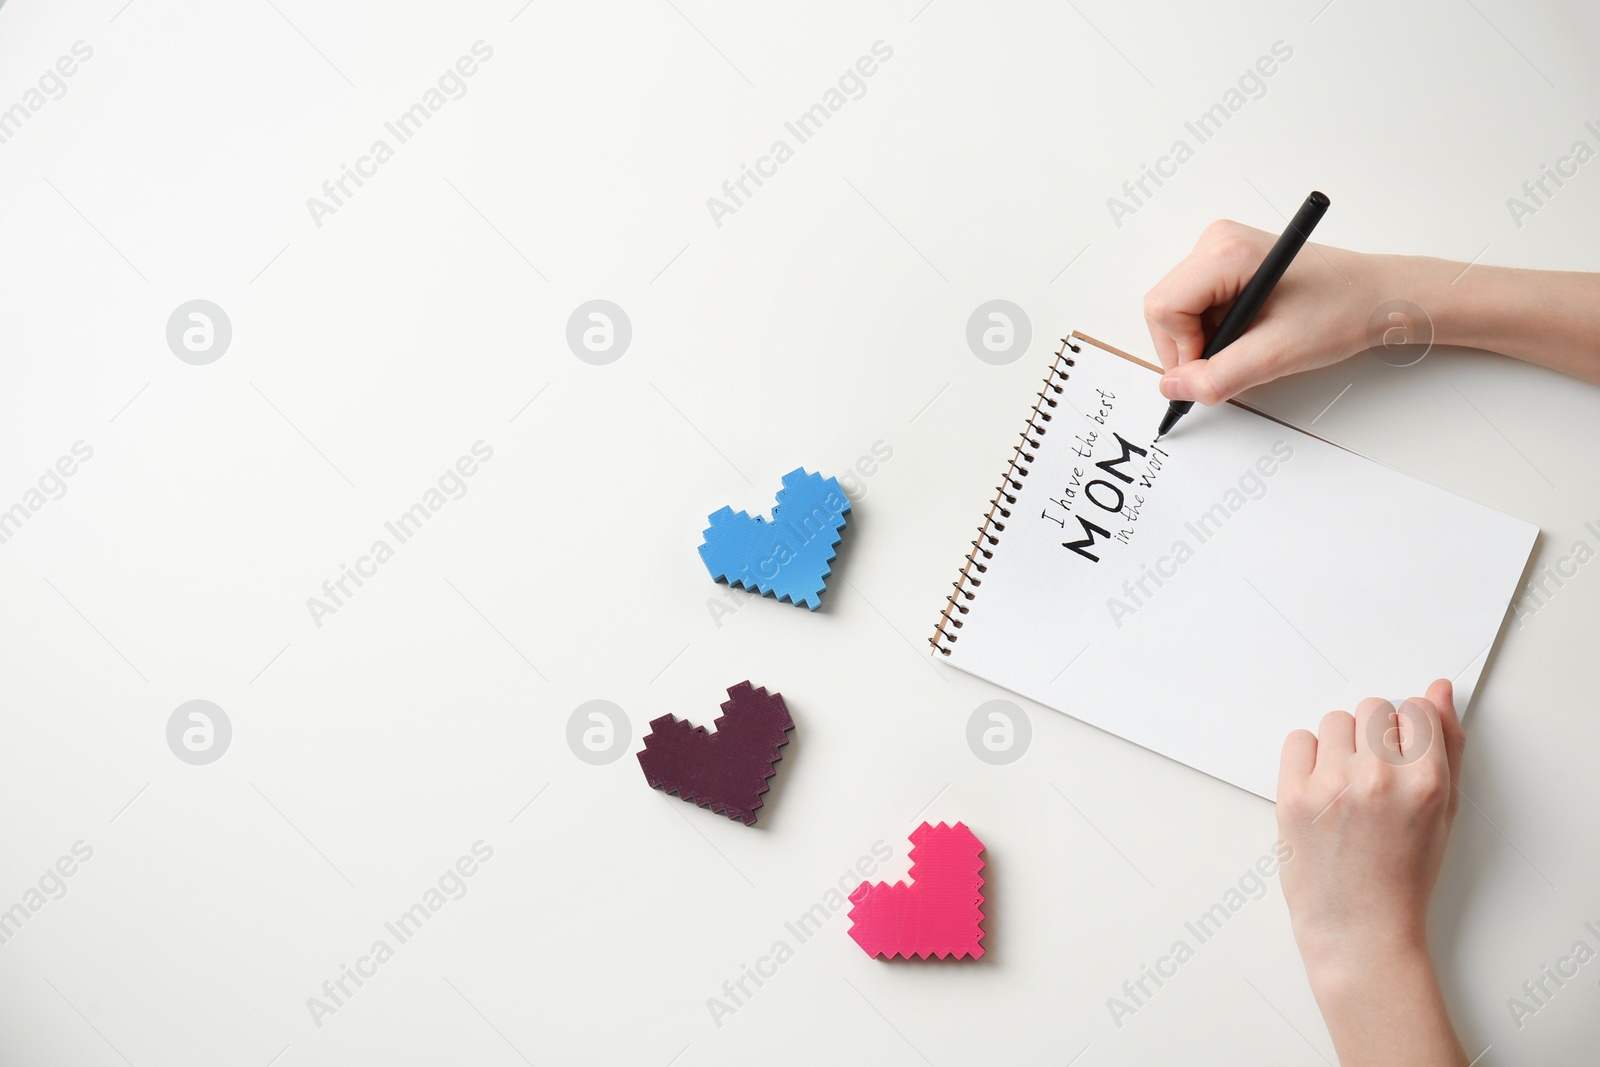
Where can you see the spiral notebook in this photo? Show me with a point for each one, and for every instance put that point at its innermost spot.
(1206, 594)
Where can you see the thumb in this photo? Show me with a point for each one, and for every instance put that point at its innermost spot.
(1251, 360)
(1442, 694)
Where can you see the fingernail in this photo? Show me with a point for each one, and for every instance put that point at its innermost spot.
(1170, 387)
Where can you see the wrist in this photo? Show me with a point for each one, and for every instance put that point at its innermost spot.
(1463, 305)
(1426, 284)
(1384, 1006)
(1343, 968)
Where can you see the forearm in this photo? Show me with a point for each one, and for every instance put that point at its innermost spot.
(1551, 318)
(1386, 1011)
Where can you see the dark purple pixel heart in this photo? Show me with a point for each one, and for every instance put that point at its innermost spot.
(726, 771)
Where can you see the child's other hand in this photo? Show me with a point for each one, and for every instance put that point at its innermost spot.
(1366, 808)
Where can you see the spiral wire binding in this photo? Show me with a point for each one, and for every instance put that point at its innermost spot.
(993, 523)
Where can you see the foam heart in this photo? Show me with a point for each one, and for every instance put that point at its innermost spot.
(789, 556)
(939, 914)
(726, 771)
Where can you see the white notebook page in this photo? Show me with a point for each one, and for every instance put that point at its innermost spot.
(1250, 577)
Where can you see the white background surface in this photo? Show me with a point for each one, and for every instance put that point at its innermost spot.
(826, 315)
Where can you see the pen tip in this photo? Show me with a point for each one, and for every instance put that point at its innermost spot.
(1159, 436)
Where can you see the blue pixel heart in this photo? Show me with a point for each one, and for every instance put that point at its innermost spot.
(789, 556)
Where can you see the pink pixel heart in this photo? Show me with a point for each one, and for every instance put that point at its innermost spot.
(939, 914)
